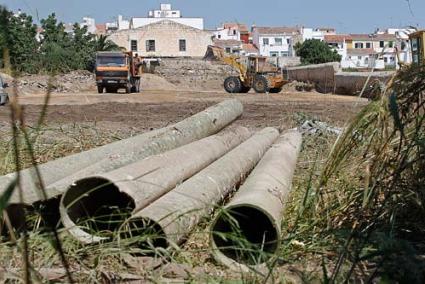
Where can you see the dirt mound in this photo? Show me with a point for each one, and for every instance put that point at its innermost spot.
(75, 81)
(155, 82)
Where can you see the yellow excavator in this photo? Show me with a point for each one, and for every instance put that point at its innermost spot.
(255, 73)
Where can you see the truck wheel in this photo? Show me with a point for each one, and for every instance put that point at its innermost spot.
(128, 88)
(100, 89)
(261, 84)
(275, 90)
(233, 85)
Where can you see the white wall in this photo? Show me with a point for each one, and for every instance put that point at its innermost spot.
(309, 33)
(197, 23)
(90, 23)
(283, 49)
(226, 34)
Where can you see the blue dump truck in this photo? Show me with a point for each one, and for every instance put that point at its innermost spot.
(4, 98)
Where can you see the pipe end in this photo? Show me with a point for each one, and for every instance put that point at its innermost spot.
(94, 209)
(244, 235)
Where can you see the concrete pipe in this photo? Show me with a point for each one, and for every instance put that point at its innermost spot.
(99, 204)
(247, 231)
(117, 154)
(170, 219)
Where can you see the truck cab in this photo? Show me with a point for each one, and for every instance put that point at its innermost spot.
(115, 70)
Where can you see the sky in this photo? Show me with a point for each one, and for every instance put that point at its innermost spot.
(347, 16)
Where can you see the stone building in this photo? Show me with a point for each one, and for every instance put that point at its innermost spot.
(164, 39)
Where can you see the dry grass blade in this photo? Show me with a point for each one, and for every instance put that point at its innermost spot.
(382, 154)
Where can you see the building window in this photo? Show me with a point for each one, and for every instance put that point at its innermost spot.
(278, 41)
(182, 45)
(265, 41)
(219, 36)
(385, 60)
(381, 44)
(274, 53)
(150, 45)
(358, 45)
(368, 45)
(284, 53)
(366, 60)
(391, 44)
(234, 32)
(359, 57)
(228, 50)
(133, 45)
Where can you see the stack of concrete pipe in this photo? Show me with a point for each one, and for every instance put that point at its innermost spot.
(57, 175)
(153, 189)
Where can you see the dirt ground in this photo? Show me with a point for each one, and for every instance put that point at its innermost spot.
(153, 109)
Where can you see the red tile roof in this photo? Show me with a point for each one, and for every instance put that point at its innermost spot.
(241, 27)
(276, 30)
(372, 37)
(101, 28)
(249, 48)
(227, 42)
(327, 29)
(337, 38)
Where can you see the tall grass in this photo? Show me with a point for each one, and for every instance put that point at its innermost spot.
(367, 203)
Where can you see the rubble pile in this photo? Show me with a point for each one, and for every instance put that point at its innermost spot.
(75, 81)
(194, 73)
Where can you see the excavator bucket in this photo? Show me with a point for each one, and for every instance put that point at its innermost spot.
(214, 53)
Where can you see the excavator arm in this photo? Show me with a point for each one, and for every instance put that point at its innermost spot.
(235, 63)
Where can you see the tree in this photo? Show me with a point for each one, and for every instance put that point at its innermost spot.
(22, 43)
(4, 48)
(314, 51)
(105, 44)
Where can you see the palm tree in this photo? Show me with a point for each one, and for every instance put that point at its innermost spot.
(104, 44)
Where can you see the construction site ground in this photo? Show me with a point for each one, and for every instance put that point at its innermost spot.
(153, 109)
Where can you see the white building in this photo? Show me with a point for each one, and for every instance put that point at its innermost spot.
(318, 33)
(90, 23)
(232, 31)
(119, 24)
(276, 41)
(166, 13)
(339, 43)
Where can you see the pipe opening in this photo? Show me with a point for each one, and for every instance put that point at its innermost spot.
(246, 235)
(97, 206)
(144, 233)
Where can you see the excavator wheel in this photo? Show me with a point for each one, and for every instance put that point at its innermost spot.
(260, 84)
(275, 90)
(233, 85)
(245, 89)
